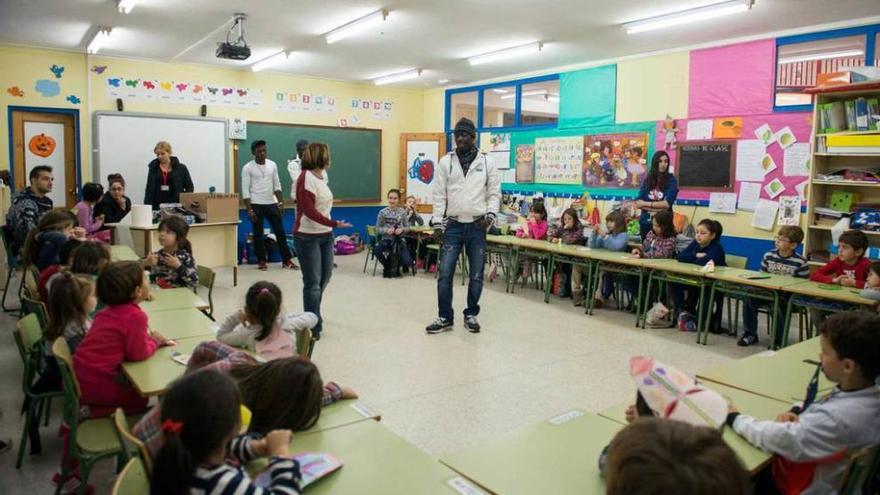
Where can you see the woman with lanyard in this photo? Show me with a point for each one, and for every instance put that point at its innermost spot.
(166, 178)
(313, 229)
(658, 191)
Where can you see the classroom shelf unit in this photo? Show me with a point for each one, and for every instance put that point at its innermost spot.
(818, 237)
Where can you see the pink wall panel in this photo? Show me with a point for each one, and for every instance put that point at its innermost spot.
(732, 80)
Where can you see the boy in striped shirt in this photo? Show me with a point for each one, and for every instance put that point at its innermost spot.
(781, 261)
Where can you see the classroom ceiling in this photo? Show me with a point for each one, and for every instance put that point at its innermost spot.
(436, 36)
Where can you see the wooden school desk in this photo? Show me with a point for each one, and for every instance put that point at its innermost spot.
(753, 458)
(533, 248)
(168, 299)
(503, 246)
(743, 284)
(809, 294)
(123, 253)
(575, 255)
(781, 375)
(547, 458)
(214, 244)
(153, 375)
(375, 462)
(182, 324)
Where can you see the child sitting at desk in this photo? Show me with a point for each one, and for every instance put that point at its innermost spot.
(569, 231)
(392, 224)
(812, 442)
(536, 228)
(260, 327)
(119, 333)
(42, 245)
(173, 265)
(46, 274)
(201, 423)
(660, 240)
(849, 268)
(93, 224)
(706, 248)
(614, 239)
(672, 397)
(781, 261)
(872, 284)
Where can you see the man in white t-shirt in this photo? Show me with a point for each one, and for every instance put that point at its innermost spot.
(294, 167)
(261, 189)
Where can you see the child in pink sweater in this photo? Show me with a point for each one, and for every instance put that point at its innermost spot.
(118, 333)
(536, 228)
(85, 212)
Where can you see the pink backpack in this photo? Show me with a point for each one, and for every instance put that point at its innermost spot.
(345, 246)
(278, 344)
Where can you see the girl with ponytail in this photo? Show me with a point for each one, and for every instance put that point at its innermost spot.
(174, 265)
(261, 327)
(201, 420)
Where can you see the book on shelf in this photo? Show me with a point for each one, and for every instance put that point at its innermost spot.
(851, 174)
(854, 150)
(828, 212)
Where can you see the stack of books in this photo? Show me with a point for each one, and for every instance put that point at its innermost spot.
(855, 144)
(857, 114)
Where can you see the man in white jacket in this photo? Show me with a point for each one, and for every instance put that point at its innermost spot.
(466, 198)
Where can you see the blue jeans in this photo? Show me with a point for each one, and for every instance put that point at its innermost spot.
(315, 254)
(473, 240)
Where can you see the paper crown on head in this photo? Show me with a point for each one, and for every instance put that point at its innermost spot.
(672, 394)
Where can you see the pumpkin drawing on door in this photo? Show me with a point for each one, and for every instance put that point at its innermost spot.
(42, 145)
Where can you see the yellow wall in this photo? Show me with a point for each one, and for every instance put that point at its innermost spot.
(649, 88)
(434, 107)
(31, 64)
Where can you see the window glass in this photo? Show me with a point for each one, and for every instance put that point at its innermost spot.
(463, 105)
(540, 103)
(499, 106)
(799, 64)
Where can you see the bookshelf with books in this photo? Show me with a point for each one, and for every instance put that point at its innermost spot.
(844, 169)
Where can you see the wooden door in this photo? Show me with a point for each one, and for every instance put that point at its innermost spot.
(45, 138)
(419, 155)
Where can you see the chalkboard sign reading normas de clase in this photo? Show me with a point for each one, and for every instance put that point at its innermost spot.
(706, 165)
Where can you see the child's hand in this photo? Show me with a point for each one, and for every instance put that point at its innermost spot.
(787, 417)
(836, 280)
(348, 392)
(342, 224)
(636, 253)
(161, 340)
(171, 261)
(731, 408)
(631, 414)
(848, 282)
(278, 443)
(79, 233)
(151, 260)
(398, 231)
(389, 231)
(242, 317)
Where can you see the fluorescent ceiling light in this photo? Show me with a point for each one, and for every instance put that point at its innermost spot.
(506, 53)
(99, 39)
(271, 61)
(443, 81)
(356, 26)
(821, 56)
(554, 99)
(537, 92)
(400, 76)
(686, 16)
(125, 6)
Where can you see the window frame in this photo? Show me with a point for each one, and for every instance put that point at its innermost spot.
(870, 32)
(517, 117)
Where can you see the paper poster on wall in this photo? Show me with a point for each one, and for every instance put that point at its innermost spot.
(237, 128)
(508, 176)
(558, 160)
(765, 214)
(525, 163)
(765, 134)
(45, 146)
(749, 153)
(500, 160)
(422, 159)
(749, 194)
(768, 164)
(774, 188)
(801, 189)
(615, 160)
(722, 202)
(789, 210)
(796, 160)
(727, 128)
(699, 130)
(499, 141)
(785, 137)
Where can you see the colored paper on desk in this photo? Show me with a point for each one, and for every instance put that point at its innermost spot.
(312, 465)
(830, 287)
(754, 276)
(180, 358)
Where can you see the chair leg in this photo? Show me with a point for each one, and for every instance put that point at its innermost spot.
(28, 419)
(85, 470)
(9, 276)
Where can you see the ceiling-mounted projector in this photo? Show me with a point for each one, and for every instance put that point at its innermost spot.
(237, 49)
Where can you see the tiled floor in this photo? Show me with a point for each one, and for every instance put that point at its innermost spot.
(441, 392)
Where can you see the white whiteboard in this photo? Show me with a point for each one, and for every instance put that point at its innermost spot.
(124, 142)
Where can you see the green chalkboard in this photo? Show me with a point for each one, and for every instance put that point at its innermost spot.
(355, 156)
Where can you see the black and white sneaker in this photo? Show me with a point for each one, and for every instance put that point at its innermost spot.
(439, 325)
(472, 324)
(747, 340)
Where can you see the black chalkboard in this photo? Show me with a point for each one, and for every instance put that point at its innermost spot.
(706, 165)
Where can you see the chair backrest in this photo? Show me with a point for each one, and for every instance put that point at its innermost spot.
(504, 229)
(734, 261)
(131, 446)
(11, 258)
(371, 230)
(30, 331)
(31, 306)
(206, 279)
(303, 342)
(132, 480)
(31, 279)
(27, 337)
(862, 465)
(65, 362)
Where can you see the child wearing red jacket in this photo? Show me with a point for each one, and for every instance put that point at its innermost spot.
(850, 268)
(118, 333)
